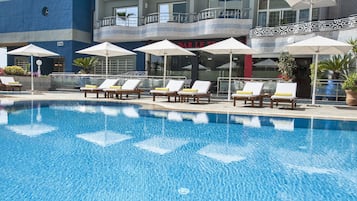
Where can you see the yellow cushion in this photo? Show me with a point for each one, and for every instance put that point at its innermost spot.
(161, 89)
(282, 94)
(13, 82)
(90, 86)
(115, 87)
(244, 92)
(190, 90)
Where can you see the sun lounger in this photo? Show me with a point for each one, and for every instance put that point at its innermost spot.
(171, 89)
(9, 83)
(285, 92)
(251, 91)
(94, 89)
(129, 87)
(199, 89)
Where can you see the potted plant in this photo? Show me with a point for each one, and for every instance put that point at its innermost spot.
(350, 87)
(286, 66)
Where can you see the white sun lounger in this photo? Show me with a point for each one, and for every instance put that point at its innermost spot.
(9, 83)
(94, 89)
(198, 90)
(285, 92)
(129, 87)
(171, 89)
(251, 91)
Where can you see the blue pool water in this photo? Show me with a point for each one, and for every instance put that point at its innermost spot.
(89, 151)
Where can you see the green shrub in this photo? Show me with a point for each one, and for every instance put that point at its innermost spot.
(14, 70)
(350, 83)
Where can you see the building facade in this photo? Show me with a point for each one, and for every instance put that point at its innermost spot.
(60, 26)
(265, 25)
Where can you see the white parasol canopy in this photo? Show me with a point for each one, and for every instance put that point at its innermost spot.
(229, 46)
(164, 48)
(106, 50)
(318, 45)
(32, 51)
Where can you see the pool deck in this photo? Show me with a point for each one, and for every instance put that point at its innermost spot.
(322, 111)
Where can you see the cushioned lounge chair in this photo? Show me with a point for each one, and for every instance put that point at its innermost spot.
(251, 91)
(129, 87)
(94, 89)
(199, 89)
(285, 92)
(9, 83)
(171, 89)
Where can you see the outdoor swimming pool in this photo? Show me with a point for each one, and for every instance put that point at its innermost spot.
(101, 151)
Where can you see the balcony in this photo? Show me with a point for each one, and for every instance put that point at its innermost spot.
(273, 39)
(209, 23)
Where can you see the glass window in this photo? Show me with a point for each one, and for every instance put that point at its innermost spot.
(262, 19)
(304, 15)
(274, 18)
(127, 16)
(289, 16)
(167, 11)
(263, 4)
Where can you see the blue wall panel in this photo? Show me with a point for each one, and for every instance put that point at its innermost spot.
(26, 15)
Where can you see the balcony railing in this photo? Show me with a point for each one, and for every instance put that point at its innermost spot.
(212, 13)
(306, 27)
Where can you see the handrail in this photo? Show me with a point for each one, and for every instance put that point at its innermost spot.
(75, 81)
(305, 27)
(211, 13)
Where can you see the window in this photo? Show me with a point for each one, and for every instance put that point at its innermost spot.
(274, 18)
(127, 16)
(58, 64)
(263, 4)
(262, 19)
(168, 11)
(289, 16)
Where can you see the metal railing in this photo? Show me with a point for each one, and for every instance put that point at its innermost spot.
(211, 13)
(68, 81)
(305, 27)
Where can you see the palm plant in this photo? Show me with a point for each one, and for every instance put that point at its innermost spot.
(86, 64)
(338, 65)
(353, 42)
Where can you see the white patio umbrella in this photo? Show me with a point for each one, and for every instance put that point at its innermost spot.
(32, 51)
(229, 46)
(106, 50)
(164, 48)
(310, 4)
(318, 45)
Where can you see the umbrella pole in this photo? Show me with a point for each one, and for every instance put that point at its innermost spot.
(31, 74)
(230, 76)
(164, 78)
(315, 77)
(106, 67)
